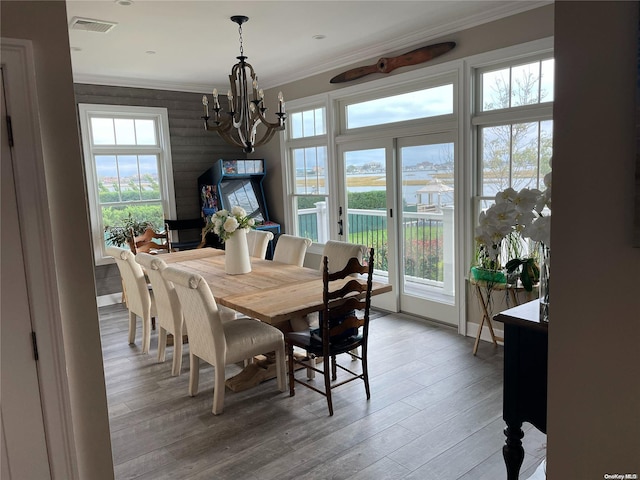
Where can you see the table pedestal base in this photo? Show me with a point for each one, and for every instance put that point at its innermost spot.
(262, 369)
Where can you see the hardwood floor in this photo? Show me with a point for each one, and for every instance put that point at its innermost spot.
(435, 413)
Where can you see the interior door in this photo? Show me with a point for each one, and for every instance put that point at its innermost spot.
(24, 450)
(367, 205)
(425, 226)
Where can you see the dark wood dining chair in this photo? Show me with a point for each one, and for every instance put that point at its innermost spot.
(189, 230)
(344, 326)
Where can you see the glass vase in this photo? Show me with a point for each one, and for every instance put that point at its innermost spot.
(545, 273)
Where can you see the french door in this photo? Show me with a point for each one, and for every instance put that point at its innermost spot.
(398, 195)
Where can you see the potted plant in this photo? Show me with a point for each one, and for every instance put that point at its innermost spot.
(500, 235)
(121, 235)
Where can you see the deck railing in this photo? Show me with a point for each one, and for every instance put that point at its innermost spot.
(427, 256)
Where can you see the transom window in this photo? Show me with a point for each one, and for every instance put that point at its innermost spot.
(308, 123)
(425, 103)
(128, 165)
(526, 84)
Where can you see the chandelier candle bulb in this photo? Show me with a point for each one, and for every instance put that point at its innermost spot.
(205, 103)
(280, 103)
(215, 98)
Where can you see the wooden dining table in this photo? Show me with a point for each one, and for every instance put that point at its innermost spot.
(272, 292)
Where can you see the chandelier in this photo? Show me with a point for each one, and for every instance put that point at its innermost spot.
(238, 125)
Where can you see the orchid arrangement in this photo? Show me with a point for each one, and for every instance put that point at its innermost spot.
(503, 228)
(224, 222)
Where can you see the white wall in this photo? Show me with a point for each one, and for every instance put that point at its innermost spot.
(594, 331)
(45, 24)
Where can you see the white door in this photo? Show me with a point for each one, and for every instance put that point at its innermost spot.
(24, 450)
(367, 205)
(397, 195)
(425, 226)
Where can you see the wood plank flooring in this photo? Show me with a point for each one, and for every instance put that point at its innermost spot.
(435, 413)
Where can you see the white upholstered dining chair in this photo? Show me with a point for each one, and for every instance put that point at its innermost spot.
(169, 313)
(140, 301)
(220, 343)
(339, 253)
(258, 241)
(291, 249)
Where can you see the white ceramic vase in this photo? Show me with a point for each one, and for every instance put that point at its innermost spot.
(236, 255)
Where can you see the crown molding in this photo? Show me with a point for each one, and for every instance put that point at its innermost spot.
(376, 50)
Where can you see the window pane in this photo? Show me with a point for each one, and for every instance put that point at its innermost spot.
(546, 150)
(495, 89)
(145, 132)
(129, 178)
(102, 131)
(313, 220)
(125, 132)
(546, 81)
(427, 176)
(496, 152)
(524, 162)
(308, 123)
(115, 216)
(107, 173)
(407, 106)
(320, 125)
(296, 125)
(515, 156)
(149, 177)
(310, 170)
(525, 84)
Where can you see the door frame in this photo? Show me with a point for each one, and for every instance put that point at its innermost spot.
(37, 244)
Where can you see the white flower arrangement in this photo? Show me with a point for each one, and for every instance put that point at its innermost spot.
(225, 223)
(503, 228)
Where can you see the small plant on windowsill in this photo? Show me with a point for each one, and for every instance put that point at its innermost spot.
(121, 235)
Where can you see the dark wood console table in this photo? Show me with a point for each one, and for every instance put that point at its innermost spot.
(525, 378)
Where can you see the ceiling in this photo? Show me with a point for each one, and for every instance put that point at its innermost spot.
(191, 45)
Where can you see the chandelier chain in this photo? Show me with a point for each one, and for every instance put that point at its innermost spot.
(241, 44)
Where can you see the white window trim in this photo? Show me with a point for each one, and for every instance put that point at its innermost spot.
(85, 111)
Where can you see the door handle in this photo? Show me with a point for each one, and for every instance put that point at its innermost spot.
(340, 227)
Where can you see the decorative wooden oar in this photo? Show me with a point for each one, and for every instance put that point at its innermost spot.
(386, 65)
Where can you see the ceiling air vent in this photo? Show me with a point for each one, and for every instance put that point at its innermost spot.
(91, 25)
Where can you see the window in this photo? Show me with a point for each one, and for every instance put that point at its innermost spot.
(514, 126)
(307, 157)
(128, 167)
(424, 103)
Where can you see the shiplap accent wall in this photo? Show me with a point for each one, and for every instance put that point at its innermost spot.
(193, 150)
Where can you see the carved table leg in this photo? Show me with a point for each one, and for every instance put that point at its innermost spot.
(512, 451)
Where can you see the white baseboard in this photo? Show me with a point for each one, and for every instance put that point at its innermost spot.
(110, 299)
(472, 331)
